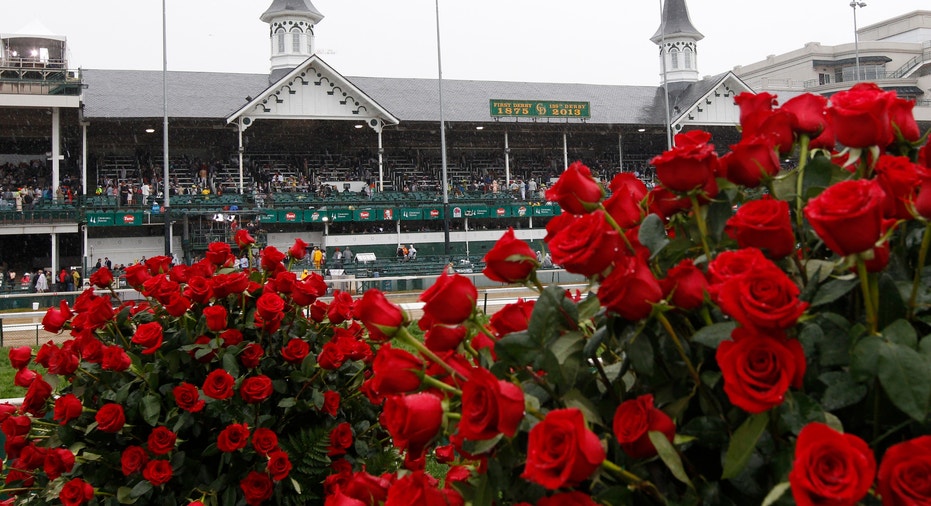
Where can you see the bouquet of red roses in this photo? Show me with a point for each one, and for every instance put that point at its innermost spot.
(749, 330)
(222, 386)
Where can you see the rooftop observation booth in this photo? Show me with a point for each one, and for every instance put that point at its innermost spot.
(36, 64)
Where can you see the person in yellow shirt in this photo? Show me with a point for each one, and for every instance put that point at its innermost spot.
(317, 257)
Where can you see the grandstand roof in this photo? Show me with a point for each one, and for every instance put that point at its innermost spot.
(116, 94)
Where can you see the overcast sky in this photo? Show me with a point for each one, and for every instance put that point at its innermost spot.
(583, 41)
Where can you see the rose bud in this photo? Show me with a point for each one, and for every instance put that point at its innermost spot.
(511, 260)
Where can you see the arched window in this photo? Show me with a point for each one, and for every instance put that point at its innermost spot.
(674, 58)
(295, 41)
(687, 54)
(280, 42)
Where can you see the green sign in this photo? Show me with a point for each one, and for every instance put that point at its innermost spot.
(315, 216)
(539, 108)
(411, 213)
(544, 210)
(341, 215)
(290, 216)
(99, 219)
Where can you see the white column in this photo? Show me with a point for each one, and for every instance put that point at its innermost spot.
(507, 162)
(56, 148)
(54, 259)
(620, 151)
(381, 165)
(239, 130)
(565, 152)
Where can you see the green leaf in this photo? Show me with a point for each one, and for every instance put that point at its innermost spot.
(517, 348)
(652, 234)
(141, 488)
(784, 186)
(904, 375)
(833, 290)
(124, 495)
(743, 443)
(640, 351)
(712, 335)
(798, 410)
(575, 399)
(864, 357)
(842, 390)
(718, 213)
(552, 313)
(776, 493)
(670, 456)
(151, 407)
(901, 332)
(819, 174)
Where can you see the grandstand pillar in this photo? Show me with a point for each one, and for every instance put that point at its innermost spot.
(54, 259)
(381, 165)
(565, 152)
(620, 151)
(239, 130)
(56, 147)
(507, 162)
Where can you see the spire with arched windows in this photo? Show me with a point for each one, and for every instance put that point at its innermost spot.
(678, 43)
(291, 34)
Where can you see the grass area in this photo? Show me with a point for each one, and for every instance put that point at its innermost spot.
(7, 388)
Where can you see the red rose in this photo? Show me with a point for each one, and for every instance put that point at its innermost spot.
(256, 389)
(114, 358)
(510, 260)
(137, 275)
(688, 165)
(243, 238)
(331, 401)
(226, 284)
(687, 285)
(903, 121)
(149, 336)
(218, 253)
(450, 300)
(561, 450)
(734, 263)
(764, 224)
(231, 337)
(625, 207)
(306, 291)
(860, 116)
(298, 250)
(279, 465)
(102, 278)
(157, 472)
(847, 216)
(330, 357)
(664, 203)
(110, 418)
(380, 316)
(513, 317)
(295, 351)
(256, 488)
(37, 396)
(898, 177)
(422, 489)
(396, 370)
(808, 109)
(251, 355)
(830, 467)
(758, 369)
(160, 264)
(753, 107)
(904, 473)
(764, 299)
(264, 441)
(161, 440)
(441, 337)
(634, 419)
(20, 356)
(67, 408)
(57, 462)
(489, 406)
(199, 289)
(576, 191)
(630, 290)
(24, 377)
(271, 258)
(215, 317)
(187, 397)
(13, 426)
(55, 318)
(340, 308)
(340, 439)
(751, 161)
(586, 246)
(922, 201)
(412, 420)
(234, 437)
(573, 498)
(76, 492)
(218, 385)
(270, 306)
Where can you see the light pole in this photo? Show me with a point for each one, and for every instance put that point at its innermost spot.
(439, 66)
(856, 39)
